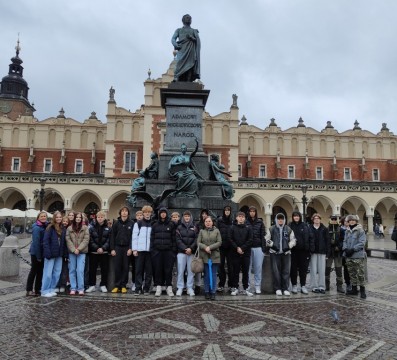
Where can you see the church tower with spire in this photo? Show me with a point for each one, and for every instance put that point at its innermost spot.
(14, 90)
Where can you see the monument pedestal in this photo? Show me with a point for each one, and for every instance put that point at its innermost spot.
(184, 104)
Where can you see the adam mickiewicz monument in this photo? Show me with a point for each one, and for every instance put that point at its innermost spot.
(186, 179)
(187, 42)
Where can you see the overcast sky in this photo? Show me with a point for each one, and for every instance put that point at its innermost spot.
(319, 60)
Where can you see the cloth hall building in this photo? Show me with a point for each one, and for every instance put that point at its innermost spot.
(90, 164)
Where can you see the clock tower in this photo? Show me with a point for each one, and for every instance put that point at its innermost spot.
(14, 90)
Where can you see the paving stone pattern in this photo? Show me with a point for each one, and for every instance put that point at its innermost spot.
(116, 326)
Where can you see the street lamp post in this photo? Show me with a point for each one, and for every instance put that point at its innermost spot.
(42, 192)
(304, 200)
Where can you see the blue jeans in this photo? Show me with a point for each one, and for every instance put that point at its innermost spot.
(207, 280)
(76, 271)
(51, 273)
(256, 264)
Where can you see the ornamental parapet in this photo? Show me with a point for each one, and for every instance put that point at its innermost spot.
(316, 186)
(64, 179)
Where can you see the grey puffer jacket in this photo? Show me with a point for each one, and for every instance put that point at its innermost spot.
(355, 238)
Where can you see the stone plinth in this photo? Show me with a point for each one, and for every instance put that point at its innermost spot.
(9, 263)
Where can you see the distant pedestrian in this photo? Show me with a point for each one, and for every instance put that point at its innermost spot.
(7, 226)
(381, 231)
(394, 235)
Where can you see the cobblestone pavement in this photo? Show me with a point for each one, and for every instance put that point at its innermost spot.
(116, 326)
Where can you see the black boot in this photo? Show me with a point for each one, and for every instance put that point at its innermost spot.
(353, 291)
(207, 296)
(363, 295)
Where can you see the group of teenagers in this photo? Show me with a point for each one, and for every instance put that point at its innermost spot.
(70, 249)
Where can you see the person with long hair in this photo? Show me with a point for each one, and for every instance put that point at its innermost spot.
(77, 239)
(209, 241)
(64, 276)
(54, 250)
(36, 255)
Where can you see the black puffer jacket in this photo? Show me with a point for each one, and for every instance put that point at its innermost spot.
(241, 236)
(258, 231)
(224, 223)
(121, 233)
(186, 236)
(304, 242)
(99, 237)
(321, 239)
(162, 236)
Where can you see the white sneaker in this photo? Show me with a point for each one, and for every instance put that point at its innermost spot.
(179, 292)
(304, 290)
(62, 289)
(90, 289)
(169, 291)
(133, 287)
(104, 289)
(56, 290)
(49, 294)
(279, 293)
(287, 293)
(190, 292)
(248, 293)
(258, 290)
(158, 291)
(294, 289)
(234, 292)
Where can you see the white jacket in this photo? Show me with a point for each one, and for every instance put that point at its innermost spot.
(141, 236)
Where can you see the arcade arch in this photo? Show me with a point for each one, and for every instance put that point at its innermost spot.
(115, 202)
(10, 197)
(80, 200)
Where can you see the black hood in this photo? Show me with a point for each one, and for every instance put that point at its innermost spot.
(223, 213)
(294, 213)
(163, 209)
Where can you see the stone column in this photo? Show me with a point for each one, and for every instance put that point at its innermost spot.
(370, 224)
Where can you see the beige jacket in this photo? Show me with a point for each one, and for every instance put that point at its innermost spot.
(78, 240)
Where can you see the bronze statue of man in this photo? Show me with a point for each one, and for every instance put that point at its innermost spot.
(187, 41)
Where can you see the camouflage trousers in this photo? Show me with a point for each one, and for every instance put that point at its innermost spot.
(356, 271)
(337, 261)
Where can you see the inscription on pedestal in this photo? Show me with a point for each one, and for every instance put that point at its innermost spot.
(182, 126)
